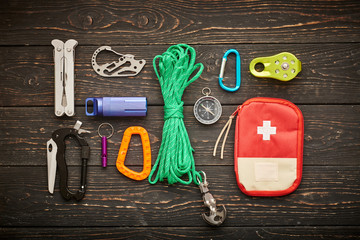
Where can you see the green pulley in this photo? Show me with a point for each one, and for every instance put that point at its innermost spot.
(283, 66)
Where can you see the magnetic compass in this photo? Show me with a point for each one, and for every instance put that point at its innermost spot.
(207, 109)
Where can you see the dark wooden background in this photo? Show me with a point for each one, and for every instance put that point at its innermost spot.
(324, 35)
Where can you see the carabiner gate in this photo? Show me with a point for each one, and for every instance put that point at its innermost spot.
(238, 71)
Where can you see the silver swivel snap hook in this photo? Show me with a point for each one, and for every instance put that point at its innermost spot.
(215, 217)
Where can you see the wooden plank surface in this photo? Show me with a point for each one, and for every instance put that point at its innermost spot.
(332, 136)
(168, 22)
(324, 35)
(330, 75)
(327, 196)
(168, 233)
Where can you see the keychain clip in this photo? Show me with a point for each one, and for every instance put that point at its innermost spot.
(238, 71)
(113, 69)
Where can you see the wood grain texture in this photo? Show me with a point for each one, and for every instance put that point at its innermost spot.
(330, 75)
(327, 196)
(332, 136)
(323, 34)
(168, 22)
(170, 233)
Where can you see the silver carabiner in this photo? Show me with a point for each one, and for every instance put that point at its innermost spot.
(238, 71)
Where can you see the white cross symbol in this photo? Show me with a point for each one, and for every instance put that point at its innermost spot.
(266, 130)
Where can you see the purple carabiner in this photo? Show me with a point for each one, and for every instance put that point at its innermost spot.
(104, 144)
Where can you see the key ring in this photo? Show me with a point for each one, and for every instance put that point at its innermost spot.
(206, 91)
(106, 124)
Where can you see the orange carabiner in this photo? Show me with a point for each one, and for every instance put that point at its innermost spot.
(120, 162)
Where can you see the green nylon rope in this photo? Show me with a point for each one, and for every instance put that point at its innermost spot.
(175, 157)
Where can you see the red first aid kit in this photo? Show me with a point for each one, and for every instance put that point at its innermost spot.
(269, 138)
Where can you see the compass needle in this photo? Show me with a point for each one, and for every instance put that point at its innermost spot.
(204, 107)
(211, 112)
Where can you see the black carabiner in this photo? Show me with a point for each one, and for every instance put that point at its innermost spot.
(59, 137)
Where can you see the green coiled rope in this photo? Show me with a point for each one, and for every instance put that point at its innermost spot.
(175, 157)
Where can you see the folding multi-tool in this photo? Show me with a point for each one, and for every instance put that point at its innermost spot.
(56, 158)
(64, 58)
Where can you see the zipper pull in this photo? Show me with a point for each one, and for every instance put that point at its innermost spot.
(236, 111)
(227, 128)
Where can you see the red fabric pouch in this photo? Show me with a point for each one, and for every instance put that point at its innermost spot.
(269, 139)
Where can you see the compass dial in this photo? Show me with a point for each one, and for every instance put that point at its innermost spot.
(207, 110)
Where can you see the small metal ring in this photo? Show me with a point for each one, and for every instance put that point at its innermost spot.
(206, 93)
(103, 124)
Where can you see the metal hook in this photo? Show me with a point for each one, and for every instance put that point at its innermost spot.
(215, 217)
(238, 71)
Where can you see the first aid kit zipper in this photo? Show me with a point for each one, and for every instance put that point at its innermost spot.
(227, 128)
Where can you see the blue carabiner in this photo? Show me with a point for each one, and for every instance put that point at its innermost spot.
(238, 71)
